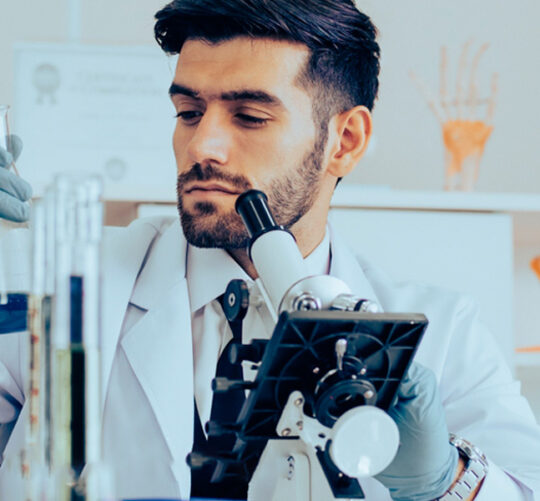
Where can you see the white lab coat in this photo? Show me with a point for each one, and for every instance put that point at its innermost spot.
(148, 369)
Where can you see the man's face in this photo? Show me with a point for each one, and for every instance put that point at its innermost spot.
(242, 123)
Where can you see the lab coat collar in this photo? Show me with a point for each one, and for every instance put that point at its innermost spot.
(209, 271)
(165, 267)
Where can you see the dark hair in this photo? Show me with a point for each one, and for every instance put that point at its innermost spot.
(343, 69)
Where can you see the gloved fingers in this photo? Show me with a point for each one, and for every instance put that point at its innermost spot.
(16, 146)
(418, 380)
(8, 157)
(13, 209)
(14, 185)
(418, 402)
(425, 461)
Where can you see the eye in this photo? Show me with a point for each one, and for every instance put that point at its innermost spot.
(190, 117)
(250, 120)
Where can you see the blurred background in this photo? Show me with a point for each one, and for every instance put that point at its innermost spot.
(407, 146)
(88, 90)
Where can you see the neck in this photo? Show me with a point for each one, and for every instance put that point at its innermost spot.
(241, 256)
(307, 242)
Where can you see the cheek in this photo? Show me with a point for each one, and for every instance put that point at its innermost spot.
(298, 140)
(289, 157)
(179, 141)
(301, 132)
(176, 141)
(274, 153)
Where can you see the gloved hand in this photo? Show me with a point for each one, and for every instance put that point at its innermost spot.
(425, 464)
(14, 191)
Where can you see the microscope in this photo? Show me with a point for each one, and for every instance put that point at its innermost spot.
(314, 420)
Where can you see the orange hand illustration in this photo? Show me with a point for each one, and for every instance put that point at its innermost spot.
(462, 139)
(535, 266)
(464, 134)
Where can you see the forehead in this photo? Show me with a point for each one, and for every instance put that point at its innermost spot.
(242, 62)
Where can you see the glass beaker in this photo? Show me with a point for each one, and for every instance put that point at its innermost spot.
(5, 136)
(14, 237)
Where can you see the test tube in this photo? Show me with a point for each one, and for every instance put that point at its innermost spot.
(34, 395)
(89, 230)
(76, 338)
(59, 206)
(35, 455)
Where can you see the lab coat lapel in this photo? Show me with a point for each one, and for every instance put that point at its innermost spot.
(124, 250)
(159, 347)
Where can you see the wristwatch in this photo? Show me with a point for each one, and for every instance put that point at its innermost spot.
(475, 470)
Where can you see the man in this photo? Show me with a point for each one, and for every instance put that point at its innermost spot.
(276, 95)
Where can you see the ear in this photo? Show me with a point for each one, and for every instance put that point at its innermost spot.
(349, 137)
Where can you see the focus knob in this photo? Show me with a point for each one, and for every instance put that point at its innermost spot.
(252, 352)
(223, 384)
(365, 454)
(197, 460)
(236, 300)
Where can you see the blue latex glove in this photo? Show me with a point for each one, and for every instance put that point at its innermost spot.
(14, 191)
(425, 464)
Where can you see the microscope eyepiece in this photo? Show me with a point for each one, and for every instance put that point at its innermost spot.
(253, 208)
(272, 248)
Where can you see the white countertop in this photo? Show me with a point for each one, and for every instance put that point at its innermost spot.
(374, 197)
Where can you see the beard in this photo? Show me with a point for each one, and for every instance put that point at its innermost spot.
(289, 197)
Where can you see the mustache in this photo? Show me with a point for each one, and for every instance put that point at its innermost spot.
(208, 172)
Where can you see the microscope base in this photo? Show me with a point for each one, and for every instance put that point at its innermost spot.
(290, 469)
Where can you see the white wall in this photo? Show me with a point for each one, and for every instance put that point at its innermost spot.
(407, 150)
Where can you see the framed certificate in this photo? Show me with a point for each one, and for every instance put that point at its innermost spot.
(96, 109)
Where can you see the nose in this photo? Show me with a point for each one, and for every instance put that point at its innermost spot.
(211, 141)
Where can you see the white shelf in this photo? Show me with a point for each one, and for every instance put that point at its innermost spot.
(351, 195)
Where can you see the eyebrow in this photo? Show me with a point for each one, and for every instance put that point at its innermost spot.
(258, 96)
